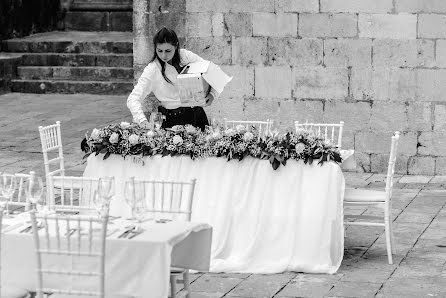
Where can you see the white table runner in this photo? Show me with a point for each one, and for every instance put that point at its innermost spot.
(264, 221)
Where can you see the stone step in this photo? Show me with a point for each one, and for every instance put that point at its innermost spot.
(85, 47)
(75, 73)
(99, 20)
(115, 87)
(62, 59)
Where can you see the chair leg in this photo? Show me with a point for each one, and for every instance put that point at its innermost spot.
(186, 283)
(173, 286)
(388, 231)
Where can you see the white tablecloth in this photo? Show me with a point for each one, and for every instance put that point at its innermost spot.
(139, 267)
(264, 221)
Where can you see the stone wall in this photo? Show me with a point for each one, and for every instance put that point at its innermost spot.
(379, 66)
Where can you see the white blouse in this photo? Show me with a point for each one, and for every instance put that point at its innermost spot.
(152, 80)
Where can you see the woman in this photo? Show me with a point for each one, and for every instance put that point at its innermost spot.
(160, 77)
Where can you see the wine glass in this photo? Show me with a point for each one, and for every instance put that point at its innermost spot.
(106, 188)
(135, 197)
(34, 191)
(158, 120)
(7, 186)
(99, 203)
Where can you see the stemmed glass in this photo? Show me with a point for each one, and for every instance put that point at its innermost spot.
(106, 188)
(157, 119)
(135, 197)
(7, 186)
(34, 191)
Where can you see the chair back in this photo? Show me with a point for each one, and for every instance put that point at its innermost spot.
(391, 165)
(62, 241)
(261, 126)
(71, 193)
(51, 140)
(331, 132)
(1, 233)
(19, 197)
(169, 199)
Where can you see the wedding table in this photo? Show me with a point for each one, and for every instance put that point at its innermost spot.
(264, 220)
(135, 267)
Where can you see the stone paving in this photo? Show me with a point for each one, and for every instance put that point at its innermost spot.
(418, 210)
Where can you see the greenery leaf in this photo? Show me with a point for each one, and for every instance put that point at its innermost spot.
(86, 155)
(107, 155)
(275, 164)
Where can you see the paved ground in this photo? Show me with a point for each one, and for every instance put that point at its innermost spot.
(419, 211)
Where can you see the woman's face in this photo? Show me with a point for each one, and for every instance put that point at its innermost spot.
(165, 51)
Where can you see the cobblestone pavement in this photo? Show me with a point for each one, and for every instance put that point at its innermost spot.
(419, 211)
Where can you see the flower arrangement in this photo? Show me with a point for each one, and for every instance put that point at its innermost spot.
(232, 143)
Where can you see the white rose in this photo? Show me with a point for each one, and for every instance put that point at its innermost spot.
(133, 139)
(125, 125)
(114, 138)
(216, 135)
(208, 138)
(190, 129)
(248, 136)
(176, 128)
(240, 128)
(150, 133)
(95, 134)
(300, 148)
(177, 140)
(230, 132)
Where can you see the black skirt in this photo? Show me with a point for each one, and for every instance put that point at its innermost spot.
(184, 115)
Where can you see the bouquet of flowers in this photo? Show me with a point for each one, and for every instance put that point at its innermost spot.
(232, 143)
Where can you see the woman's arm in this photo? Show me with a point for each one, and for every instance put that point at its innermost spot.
(139, 93)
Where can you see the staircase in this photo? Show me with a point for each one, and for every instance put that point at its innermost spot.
(71, 62)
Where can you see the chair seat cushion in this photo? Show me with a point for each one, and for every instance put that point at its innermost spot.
(13, 292)
(364, 195)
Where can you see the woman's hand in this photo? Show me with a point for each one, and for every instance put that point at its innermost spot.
(145, 124)
(209, 100)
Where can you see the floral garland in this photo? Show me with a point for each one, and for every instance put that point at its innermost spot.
(232, 143)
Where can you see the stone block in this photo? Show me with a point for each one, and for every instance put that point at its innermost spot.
(86, 21)
(218, 26)
(431, 85)
(419, 116)
(261, 109)
(298, 110)
(380, 162)
(348, 52)
(274, 24)
(387, 84)
(242, 83)
(356, 115)
(403, 53)
(216, 49)
(238, 24)
(417, 6)
(251, 6)
(320, 82)
(439, 117)
(249, 50)
(431, 26)
(208, 6)
(225, 107)
(379, 142)
(328, 25)
(292, 51)
(393, 26)
(121, 21)
(440, 166)
(297, 5)
(199, 24)
(363, 162)
(273, 81)
(432, 143)
(421, 165)
(388, 116)
(440, 52)
(377, 6)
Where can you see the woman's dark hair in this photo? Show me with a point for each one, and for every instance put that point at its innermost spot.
(166, 36)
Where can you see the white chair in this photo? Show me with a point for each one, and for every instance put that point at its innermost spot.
(328, 131)
(71, 194)
(51, 141)
(65, 241)
(261, 126)
(381, 199)
(9, 292)
(19, 198)
(171, 199)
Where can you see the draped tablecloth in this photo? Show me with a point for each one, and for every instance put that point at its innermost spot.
(139, 267)
(264, 220)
